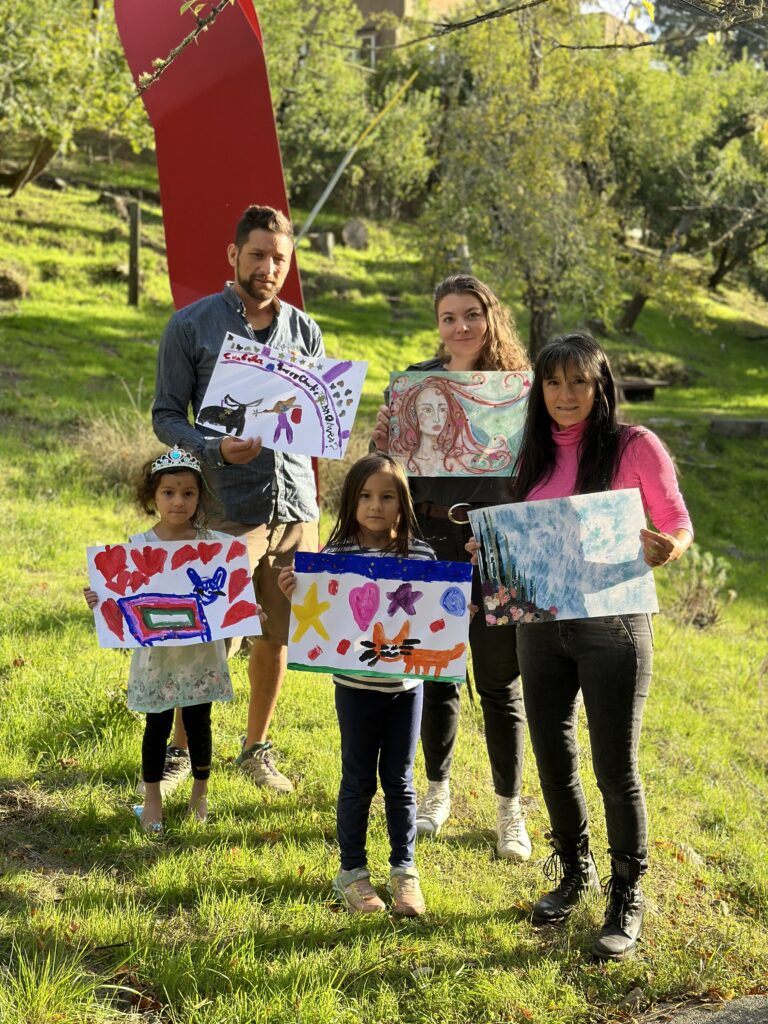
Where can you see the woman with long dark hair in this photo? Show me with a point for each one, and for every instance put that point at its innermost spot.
(476, 333)
(573, 444)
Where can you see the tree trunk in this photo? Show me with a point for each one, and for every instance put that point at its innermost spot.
(633, 307)
(542, 309)
(631, 310)
(42, 154)
(723, 268)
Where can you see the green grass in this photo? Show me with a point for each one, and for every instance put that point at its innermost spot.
(235, 922)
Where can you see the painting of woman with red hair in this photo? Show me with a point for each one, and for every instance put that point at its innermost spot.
(460, 424)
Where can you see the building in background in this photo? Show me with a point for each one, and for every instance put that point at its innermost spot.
(374, 36)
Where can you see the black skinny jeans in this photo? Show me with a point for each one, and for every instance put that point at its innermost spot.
(609, 659)
(197, 722)
(496, 675)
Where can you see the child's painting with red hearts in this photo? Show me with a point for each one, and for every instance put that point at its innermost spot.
(172, 593)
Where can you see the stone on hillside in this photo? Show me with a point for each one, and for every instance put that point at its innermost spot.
(13, 285)
(355, 234)
(116, 203)
(633, 1000)
(322, 242)
(739, 428)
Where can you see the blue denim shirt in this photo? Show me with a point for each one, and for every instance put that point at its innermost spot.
(276, 485)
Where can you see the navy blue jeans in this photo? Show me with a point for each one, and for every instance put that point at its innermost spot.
(609, 660)
(497, 681)
(379, 733)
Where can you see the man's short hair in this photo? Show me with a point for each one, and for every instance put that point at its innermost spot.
(263, 218)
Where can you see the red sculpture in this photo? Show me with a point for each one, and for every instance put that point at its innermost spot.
(216, 142)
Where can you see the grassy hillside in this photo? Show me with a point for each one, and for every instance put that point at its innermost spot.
(235, 922)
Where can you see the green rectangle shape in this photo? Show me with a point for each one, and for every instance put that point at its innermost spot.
(167, 618)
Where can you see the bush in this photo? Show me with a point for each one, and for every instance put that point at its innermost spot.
(700, 582)
(654, 366)
(115, 445)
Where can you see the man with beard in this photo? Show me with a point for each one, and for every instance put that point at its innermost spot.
(268, 498)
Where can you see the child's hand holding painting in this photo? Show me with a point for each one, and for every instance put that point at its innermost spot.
(286, 580)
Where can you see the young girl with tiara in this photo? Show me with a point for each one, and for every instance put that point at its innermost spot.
(190, 676)
(379, 718)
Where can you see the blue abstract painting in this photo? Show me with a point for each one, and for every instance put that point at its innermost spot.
(564, 558)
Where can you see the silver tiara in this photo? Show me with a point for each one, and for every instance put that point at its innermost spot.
(176, 458)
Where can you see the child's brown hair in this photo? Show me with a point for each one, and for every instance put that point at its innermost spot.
(347, 529)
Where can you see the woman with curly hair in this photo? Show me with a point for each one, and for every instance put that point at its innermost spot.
(476, 333)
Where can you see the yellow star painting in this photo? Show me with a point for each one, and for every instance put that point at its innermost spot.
(308, 615)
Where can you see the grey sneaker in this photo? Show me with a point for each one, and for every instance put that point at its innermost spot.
(513, 840)
(256, 762)
(355, 891)
(176, 769)
(433, 811)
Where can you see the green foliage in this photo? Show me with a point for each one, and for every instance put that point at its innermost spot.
(62, 70)
(236, 922)
(522, 144)
(700, 583)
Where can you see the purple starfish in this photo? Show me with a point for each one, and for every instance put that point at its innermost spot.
(404, 597)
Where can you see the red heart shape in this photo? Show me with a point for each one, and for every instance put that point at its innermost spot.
(188, 553)
(149, 561)
(111, 561)
(208, 551)
(238, 612)
(138, 579)
(238, 581)
(236, 548)
(113, 617)
(120, 583)
(296, 415)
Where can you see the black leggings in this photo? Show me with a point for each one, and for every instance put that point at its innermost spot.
(197, 722)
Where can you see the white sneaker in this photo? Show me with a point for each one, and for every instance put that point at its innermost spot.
(513, 840)
(433, 811)
(256, 762)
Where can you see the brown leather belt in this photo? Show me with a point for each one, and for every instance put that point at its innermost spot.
(430, 511)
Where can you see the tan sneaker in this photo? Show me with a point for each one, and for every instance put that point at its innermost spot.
(256, 762)
(513, 840)
(356, 892)
(406, 892)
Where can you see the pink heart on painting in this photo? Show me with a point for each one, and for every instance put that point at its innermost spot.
(364, 602)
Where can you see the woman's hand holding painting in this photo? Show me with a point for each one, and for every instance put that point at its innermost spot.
(380, 435)
(91, 597)
(661, 548)
(472, 546)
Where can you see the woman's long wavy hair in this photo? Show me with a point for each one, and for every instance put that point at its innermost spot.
(503, 349)
(604, 439)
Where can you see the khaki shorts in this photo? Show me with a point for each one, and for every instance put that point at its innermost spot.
(272, 546)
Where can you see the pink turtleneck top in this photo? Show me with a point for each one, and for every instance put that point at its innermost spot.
(644, 464)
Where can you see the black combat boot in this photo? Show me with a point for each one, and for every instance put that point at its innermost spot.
(576, 867)
(623, 913)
